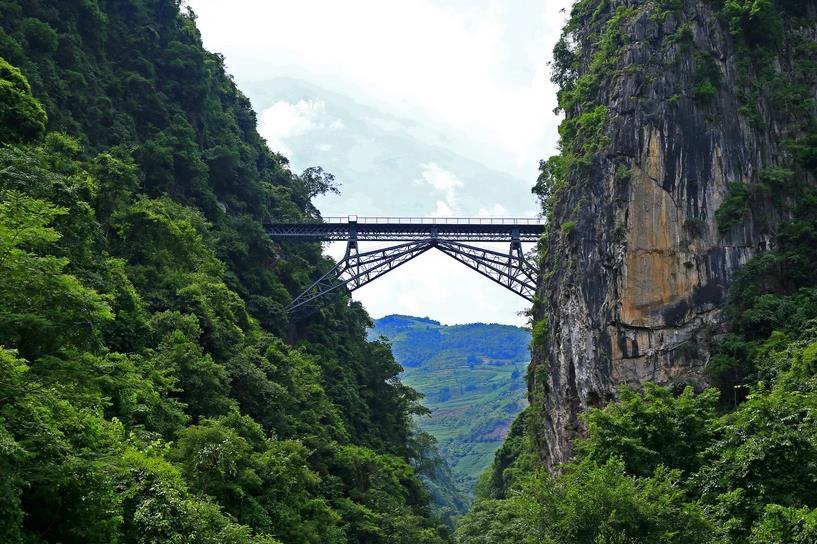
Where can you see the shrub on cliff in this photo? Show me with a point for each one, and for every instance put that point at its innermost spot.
(22, 117)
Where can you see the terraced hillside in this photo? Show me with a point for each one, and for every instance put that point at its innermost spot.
(473, 380)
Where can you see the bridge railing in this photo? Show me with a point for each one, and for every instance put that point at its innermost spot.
(435, 220)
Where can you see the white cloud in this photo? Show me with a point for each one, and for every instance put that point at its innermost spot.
(284, 120)
(498, 210)
(442, 181)
(442, 210)
(476, 70)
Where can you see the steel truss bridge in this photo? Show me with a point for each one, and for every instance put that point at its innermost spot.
(410, 238)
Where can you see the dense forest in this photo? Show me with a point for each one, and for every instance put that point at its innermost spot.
(737, 462)
(152, 387)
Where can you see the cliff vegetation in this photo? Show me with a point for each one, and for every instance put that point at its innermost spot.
(152, 388)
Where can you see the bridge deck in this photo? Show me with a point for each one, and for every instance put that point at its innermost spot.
(396, 229)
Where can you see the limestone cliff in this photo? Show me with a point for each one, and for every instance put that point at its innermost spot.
(680, 118)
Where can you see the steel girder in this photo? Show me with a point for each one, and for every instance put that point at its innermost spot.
(405, 232)
(512, 270)
(356, 269)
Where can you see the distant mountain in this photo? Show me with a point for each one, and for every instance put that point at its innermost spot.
(473, 380)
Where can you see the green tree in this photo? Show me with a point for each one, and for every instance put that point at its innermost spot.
(780, 525)
(202, 382)
(41, 307)
(594, 503)
(766, 456)
(263, 482)
(158, 508)
(57, 458)
(652, 429)
(493, 521)
(22, 118)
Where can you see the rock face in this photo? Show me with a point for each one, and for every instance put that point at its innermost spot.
(636, 266)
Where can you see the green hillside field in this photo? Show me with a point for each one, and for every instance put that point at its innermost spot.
(473, 380)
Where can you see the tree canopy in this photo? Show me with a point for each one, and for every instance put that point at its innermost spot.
(152, 388)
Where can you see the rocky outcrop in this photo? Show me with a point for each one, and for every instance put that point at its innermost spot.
(636, 266)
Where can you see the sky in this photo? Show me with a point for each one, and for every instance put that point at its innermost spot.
(422, 108)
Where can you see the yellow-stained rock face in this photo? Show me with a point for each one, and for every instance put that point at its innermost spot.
(657, 271)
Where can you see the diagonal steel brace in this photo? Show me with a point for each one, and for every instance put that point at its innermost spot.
(357, 269)
(512, 270)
